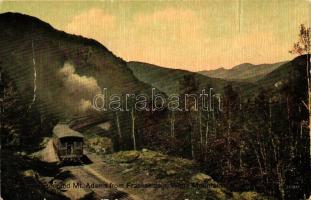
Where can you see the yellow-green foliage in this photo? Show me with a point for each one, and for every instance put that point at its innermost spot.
(252, 196)
(125, 156)
(249, 196)
(154, 161)
(203, 178)
(218, 193)
(100, 144)
(30, 173)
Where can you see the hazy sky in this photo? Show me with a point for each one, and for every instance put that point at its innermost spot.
(188, 35)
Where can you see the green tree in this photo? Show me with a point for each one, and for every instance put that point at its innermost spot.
(303, 46)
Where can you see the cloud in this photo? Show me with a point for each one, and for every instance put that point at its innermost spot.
(176, 24)
(147, 37)
(192, 39)
(174, 32)
(93, 24)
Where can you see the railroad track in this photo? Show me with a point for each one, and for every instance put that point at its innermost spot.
(87, 174)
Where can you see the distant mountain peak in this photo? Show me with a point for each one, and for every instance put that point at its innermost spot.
(243, 72)
(243, 65)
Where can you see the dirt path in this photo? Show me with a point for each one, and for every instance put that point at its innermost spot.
(48, 153)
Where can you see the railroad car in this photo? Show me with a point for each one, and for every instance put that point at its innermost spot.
(67, 143)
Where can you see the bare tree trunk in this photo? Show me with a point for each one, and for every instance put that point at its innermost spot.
(259, 162)
(206, 141)
(240, 155)
(280, 180)
(270, 132)
(240, 159)
(206, 134)
(133, 128)
(263, 155)
(288, 117)
(200, 128)
(192, 146)
(118, 127)
(228, 146)
(34, 77)
(172, 124)
(278, 168)
(2, 104)
(192, 133)
(309, 94)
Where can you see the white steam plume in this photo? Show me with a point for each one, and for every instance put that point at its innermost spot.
(80, 89)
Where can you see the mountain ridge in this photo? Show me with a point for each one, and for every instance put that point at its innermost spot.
(168, 79)
(69, 67)
(243, 72)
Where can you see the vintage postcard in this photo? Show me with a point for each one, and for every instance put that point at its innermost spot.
(155, 100)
